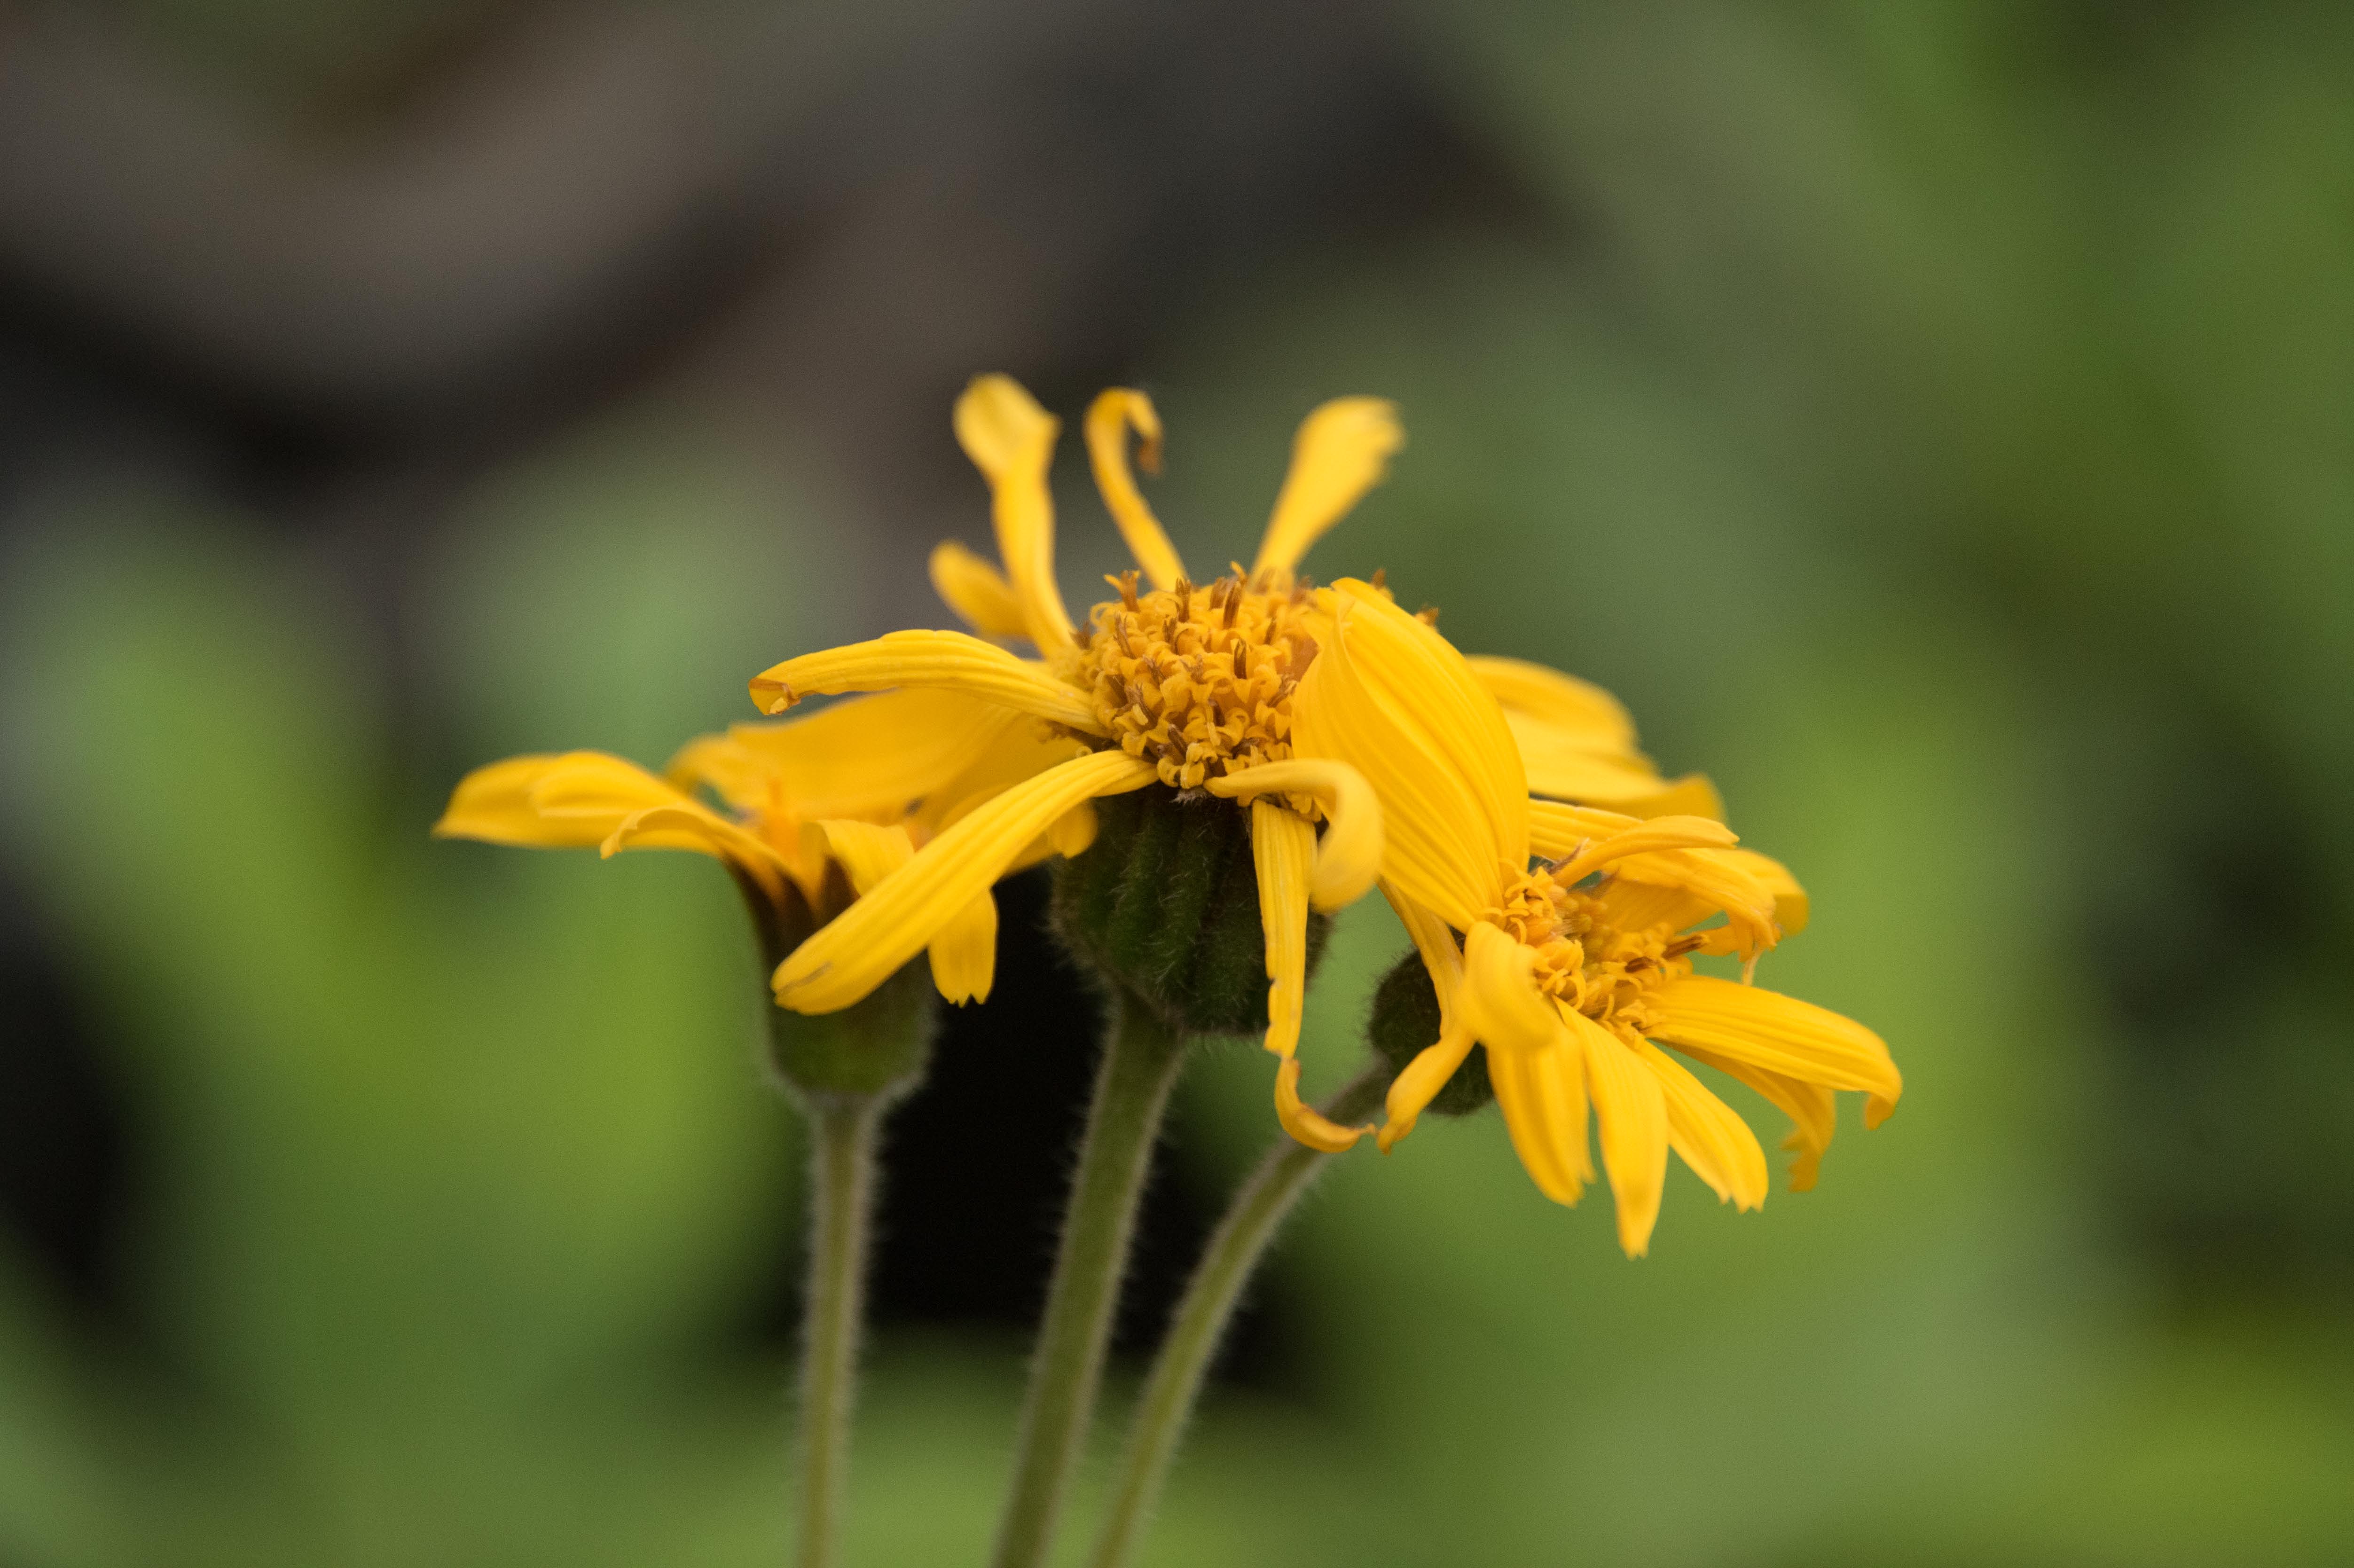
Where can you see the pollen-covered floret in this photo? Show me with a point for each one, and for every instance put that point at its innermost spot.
(1586, 959)
(1199, 681)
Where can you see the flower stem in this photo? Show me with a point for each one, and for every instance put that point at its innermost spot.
(842, 1129)
(1199, 1322)
(1140, 1066)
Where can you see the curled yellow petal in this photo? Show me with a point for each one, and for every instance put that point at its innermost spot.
(1500, 1000)
(1012, 440)
(696, 828)
(1653, 833)
(950, 661)
(867, 756)
(977, 591)
(1282, 845)
(866, 944)
(1348, 855)
(1110, 419)
(1410, 1092)
(1342, 451)
(1630, 1107)
(495, 803)
(1303, 1121)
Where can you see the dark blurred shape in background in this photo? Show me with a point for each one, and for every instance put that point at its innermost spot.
(1933, 418)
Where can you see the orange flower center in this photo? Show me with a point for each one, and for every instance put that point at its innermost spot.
(1197, 680)
(1585, 958)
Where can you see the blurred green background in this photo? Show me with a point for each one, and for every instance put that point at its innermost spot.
(1934, 419)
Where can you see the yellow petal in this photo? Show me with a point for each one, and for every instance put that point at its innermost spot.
(1813, 1114)
(1305, 1122)
(1348, 855)
(698, 829)
(494, 804)
(1570, 766)
(1110, 419)
(1714, 1141)
(1499, 1002)
(1282, 845)
(1023, 749)
(1716, 882)
(1435, 943)
(1410, 1092)
(1631, 1109)
(1543, 1097)
(1342, 451)
(1789, 898)
(1571, 707)
(977, 591)
(864, 946)
(964, 954)
(868, 756)
(1438, 844)
(1406, 662)
(1690, 796)
(1012, 440)
(1073, 833)
(950, 661)
(1779, 1033)
(868, 853)
(1643, 837)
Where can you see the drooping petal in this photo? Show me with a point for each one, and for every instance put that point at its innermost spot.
(1348, 855)
(1712, 1138)
(1717, 882)
(864, 946)
(1283, 845)
(1500, 1000)
(1303, 1121)
(1630, 1107)
(950, 661)
(1779, 1033)
(1813, 1114)
(1110, 419)
(1543, 1097)
(1790, 904)
(1023, 749)
(1705, 880)
(1342, 451)
(1571, 707)
(1410, 1092)
(1012, 440)
(977, 591)
(1435, 943)
(964, 954)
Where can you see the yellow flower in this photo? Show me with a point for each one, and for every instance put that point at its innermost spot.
(1571, 974)
(818, 809)
(1197, 688)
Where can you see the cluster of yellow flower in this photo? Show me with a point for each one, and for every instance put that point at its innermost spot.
(1556, 887)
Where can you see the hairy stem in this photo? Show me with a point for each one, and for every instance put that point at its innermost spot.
(1199, 1322)
(1140, 1066)
(843, 1132)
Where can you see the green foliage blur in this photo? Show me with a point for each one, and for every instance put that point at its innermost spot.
(1941, 440)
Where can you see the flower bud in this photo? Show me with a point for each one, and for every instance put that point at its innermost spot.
(879, 1046)
(1165, 905)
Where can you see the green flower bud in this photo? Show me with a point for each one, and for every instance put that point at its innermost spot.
(1164, 905)
(879, 1046)
(1405, 1021)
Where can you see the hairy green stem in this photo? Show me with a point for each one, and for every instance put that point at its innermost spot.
(843, 1132)
(1199, 1322)
(1140, 1066)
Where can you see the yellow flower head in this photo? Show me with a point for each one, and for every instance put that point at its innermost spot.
(1200, 688)
(811, 812)
(1574, 968)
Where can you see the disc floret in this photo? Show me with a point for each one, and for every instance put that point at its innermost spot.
(1199, 681)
